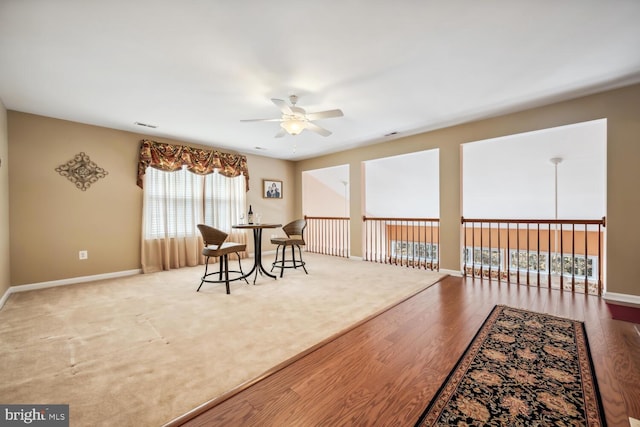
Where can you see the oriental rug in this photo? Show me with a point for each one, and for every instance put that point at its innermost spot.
(521, 369)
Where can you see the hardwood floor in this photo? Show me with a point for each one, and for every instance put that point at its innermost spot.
(385, 371)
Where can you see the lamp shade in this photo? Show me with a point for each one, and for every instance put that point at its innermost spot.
(293, 126)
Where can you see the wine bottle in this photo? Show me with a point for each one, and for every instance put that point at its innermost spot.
(250, 215)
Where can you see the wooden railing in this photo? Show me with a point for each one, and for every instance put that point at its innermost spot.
(410, 242)
(561, 254)
(328, 235)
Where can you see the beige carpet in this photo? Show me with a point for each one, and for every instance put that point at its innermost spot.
(143, 350)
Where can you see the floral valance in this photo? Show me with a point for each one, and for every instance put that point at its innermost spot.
(169, 157)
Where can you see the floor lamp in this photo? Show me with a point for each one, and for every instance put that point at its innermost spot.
(555, 161)
(346, 211)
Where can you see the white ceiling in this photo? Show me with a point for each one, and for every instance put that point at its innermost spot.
(196, 68)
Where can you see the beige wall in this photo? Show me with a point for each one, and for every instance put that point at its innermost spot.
(5, 276)
(622, 109)
(275, 211)
(320, 199)
(51, 220)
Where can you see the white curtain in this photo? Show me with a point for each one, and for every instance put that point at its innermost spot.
(224, 201)
(174, 204)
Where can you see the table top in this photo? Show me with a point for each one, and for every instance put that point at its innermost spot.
(254, 226)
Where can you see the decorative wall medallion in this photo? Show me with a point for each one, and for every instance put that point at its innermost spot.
(81, 171)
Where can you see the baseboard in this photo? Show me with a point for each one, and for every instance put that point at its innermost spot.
(622, 299)
(455, 273)
(5, 297)
(623, 307)
(63, 282)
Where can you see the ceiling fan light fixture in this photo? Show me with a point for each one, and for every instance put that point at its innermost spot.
(295, 119)
(293, 126)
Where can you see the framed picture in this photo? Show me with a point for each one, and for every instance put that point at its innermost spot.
(271, 189)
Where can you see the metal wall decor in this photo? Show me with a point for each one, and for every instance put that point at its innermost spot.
(81, 171)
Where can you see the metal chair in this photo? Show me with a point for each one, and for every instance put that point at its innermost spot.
(295, 238)
(215, 246)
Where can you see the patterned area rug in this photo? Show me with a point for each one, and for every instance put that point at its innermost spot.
(521, 369)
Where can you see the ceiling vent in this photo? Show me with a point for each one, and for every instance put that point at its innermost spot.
(146, 125)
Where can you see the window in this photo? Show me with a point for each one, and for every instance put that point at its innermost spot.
(224, 200)
(532, 261)
(414, 251)
(175, 202)
(577, 265)
(483, 257)
(567, 265)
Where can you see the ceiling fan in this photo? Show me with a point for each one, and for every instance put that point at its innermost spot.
(295, 119)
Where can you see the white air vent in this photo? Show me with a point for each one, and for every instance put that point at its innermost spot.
(146, 125)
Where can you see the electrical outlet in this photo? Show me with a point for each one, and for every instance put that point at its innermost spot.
(83, 254)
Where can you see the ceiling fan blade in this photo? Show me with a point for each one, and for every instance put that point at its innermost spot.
(282, 105)
(317, 129)
(325, 114)
(294, 119)
(262, 120)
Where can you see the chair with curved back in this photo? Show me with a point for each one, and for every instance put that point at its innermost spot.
(295, 238)
(215, 246)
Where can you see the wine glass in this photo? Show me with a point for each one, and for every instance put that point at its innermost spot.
(241, 217)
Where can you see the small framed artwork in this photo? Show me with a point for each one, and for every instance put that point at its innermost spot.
(271, 189)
